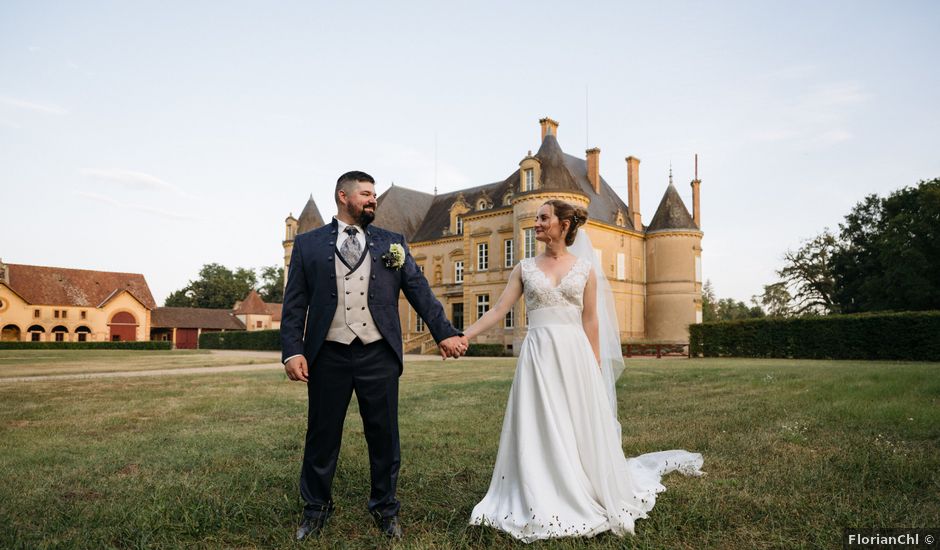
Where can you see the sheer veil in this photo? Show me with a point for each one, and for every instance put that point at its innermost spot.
(608, 328)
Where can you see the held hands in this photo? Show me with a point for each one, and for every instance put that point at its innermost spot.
(296, 368)
(455, 346)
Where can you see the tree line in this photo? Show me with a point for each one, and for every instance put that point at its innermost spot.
(885, 257)
(219, 287)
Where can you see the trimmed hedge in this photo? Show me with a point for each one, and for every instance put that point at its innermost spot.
(263, 340)
(87, 345)
(488, 350)
(910, 336)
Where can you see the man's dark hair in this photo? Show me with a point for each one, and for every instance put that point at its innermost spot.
(347, 180)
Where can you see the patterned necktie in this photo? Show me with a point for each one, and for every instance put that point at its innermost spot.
(351, 249)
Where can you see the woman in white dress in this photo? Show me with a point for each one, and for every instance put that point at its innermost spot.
(560, 470)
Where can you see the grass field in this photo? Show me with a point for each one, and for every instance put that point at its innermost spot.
(14, 363)
(794, 450)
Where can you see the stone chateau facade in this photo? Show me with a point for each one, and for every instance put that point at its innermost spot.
(467, 242)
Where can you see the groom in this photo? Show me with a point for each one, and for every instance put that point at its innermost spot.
(340, 332)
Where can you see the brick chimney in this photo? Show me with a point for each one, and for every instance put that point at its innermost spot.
(4, 273)
(594, 168)
(549, 126)
(633, 191)
(696, 208)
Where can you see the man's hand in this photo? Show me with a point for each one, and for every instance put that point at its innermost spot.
(455, 346)
(296, 368)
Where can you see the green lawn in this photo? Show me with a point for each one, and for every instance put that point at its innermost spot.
(14, 363)
(794, 450)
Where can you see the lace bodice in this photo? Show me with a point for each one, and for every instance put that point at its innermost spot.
(539, 292)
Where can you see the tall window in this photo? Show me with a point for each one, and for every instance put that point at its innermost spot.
(509, 321)
(483, 256)
(36, 313)
(483, 304)
(507, 247)
(84, 315)
(528, 249)
(621, 266)
(457, 315)
(458, 271)
(65, 313)
(698, 269)
(55, 313)
(529, 183)
(419, 324)
(459, 225)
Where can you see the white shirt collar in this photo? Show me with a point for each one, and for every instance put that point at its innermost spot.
(341, 226)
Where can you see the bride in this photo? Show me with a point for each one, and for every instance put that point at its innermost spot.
(560, 469)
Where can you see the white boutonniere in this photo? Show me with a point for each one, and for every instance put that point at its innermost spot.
(395, 257)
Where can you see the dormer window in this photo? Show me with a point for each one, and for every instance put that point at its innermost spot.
(459, 225)
(528, 183)
(507, 200)
(481, 205)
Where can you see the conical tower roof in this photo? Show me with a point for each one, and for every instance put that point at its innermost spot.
(671, 213)
(310, 217)
(555, 174)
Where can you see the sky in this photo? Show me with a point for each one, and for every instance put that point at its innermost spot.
(155, 137)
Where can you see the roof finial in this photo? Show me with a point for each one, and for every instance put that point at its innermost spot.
(670, 172)
(696, 166)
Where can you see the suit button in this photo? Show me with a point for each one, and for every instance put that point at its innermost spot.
(347, 278)
(332, 275)
(361, 277)
(333, 294)
(348, 308)
(330, 258)
(363, 308)
(373, 277)
(347, 292)
(363, 324)
(371, 295)
(361, 293)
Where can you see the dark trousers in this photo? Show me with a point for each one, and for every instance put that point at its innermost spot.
(372, 371)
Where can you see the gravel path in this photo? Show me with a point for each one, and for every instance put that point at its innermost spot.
(274, 365)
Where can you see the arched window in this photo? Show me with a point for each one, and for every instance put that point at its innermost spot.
(10, 333)
(83, 333)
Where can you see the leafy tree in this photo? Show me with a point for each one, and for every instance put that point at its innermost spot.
(217, 287)
(728, 309)
(775, 300)
(890, 259)
(272, 289)
(709, 313)
(807, 275)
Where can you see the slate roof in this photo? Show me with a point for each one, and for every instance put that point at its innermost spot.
(310, 217)
(41, 285)
(194, 317)
(402, 210)
(671, 213)
(560, 171)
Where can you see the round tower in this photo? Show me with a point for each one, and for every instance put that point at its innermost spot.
(673, 270)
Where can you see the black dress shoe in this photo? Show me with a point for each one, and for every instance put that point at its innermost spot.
(389, 526)
(312, 526)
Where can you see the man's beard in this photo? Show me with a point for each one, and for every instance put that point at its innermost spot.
(364, 217)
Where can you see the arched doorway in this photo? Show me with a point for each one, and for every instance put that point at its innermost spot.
(35, 333)
(10, 333)
(60, 334)
(123, 327)
(83, 333)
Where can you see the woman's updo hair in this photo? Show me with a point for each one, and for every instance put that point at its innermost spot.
(574, 214)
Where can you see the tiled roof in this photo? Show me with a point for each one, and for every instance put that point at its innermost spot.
(194, 317)
(253, 304)
(671, 213)
(42, 285)
(274, 310)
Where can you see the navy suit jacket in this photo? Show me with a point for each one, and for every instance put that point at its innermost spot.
(310, 294)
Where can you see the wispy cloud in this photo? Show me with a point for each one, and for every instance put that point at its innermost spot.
(129, 179)
(33, 106)
(138, 207)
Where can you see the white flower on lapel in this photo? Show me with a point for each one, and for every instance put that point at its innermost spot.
(395, 257)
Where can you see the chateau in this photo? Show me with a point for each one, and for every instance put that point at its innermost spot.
(466, 242)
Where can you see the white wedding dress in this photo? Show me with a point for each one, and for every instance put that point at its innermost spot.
(560, 469)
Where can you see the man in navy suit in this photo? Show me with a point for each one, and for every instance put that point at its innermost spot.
(340, 333)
